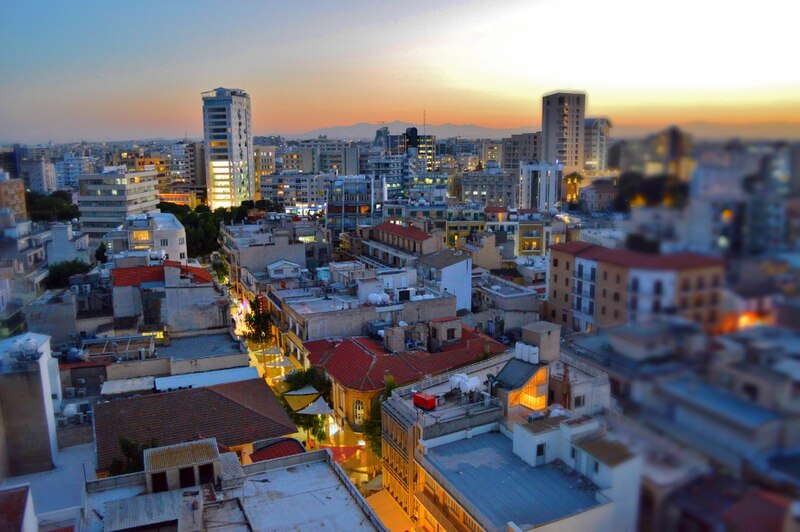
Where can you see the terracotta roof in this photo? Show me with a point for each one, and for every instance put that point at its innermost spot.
(234, 413)
(12, 507)
(758, 509)
(137, 275)
(405, 231)
(638, 259)
(360, 363)
(278, 449)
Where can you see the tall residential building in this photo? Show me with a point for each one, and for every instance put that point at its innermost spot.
(188, 167)
(595, 144)
(522, 148)
(8, 161)
(229, 147)
(106, 199)
(39, 175)
(264, 158)
(12, 196)
(425, 146)
(540, 186)
(563, 116)
(298, 193)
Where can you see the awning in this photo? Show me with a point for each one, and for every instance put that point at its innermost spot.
(317, 408)
(298, 402)
(305, 390)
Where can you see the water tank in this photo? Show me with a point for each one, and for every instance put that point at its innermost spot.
(70, 410)
(469, 384)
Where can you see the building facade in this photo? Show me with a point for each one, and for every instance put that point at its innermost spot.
(597, 131)
(563, 129)
(541, 186)
(229, 147)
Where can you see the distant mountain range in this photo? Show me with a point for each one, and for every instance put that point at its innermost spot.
(701, 130)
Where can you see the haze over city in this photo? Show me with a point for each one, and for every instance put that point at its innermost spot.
(114, 71)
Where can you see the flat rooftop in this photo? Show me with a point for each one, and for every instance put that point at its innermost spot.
(525, 495)
(209, 345)
(60, 489)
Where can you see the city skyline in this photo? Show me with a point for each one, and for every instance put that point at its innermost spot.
(114, 73)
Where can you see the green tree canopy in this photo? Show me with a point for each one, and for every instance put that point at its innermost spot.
(60, 272)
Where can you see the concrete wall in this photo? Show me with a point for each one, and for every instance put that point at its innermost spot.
(162, 367)
(194, 308)
(127, 301)
(56, 320)
(600, 518)
(456, 279)
(26, 412)
(192, 365)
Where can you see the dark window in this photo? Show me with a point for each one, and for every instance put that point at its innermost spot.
(206, 473)
(555, 263)
(616, 296)
(160, 482)
(566, 298)
(605, 276)
(579, 401)
(553, 314)
(658, 288)
(603, 310)
(540, 450)
(572, 452)
(563, 318)
(635, 284)
(619, 279)
(567, 267)
(596, 466)
(186, 475)
(451, 334)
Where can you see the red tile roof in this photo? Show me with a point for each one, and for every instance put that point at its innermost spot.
(638, 259)
(758, 510)
(360, 363)
(234, 413)
(12, 508)
(405, 231)
(137, 275)
(278, 449)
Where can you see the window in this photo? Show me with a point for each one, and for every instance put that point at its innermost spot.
(596, 466)
(358, 411)
(555, 294)
(553, 314)
(165, 242)
(605, 276)
(616, 296)
(451, 334)
(603, 310)
(579, 401)
(567, 266)
(540, 449)
(566, 298)
(619, 279)
(572, 453)
(555, 263)
(555, 278)
(635, 284)
(658, 288)
(563, 318)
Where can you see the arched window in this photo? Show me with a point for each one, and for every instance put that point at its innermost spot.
(358, 411)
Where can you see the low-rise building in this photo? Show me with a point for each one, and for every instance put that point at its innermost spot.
(598, 196)
(447, 271)
(237, 413)
(491, 187)
(65, 244)
(153, 231)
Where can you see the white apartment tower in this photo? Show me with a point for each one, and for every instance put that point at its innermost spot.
(228, 134)
(540, 186)
(563, 116)
(597, 132)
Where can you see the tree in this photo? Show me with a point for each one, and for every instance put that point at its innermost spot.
(133, 456)
(56, 207)
(100, 254)
(313, 425)
(60, 272)
(372, 428)
(259, 323)
(479, 166)
(221, 269)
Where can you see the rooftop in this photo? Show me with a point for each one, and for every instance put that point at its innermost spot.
(360, 363)
(12, 507)
(443, 259)
(719, 403)
(404, 231)
(636, 259)
(488, 459)
(209, 345)
(235, 413)
(181, 454)
(139, 275)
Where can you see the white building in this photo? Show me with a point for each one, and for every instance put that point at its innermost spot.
(298, 192)
(597, 132)
(448, 271)
(72, 166)
(106, 199)
(229, 147)
(66, 245)
(153, 231)
(563, 129)
(39, 175)
(540, 186)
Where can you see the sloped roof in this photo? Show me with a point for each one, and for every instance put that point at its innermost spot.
(405, 231)
(637, 259)
(12, 507)
(360, 363)
(443, 259)
(516, 373)
(758, 509)
(278, 449)
(137, 275)
(233, 413)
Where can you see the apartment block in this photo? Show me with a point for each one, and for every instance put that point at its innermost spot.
(591, 286)
(563, 139)
(522, 148)
(597, 132)
(491, 187)
(106, 199)
(12, 196)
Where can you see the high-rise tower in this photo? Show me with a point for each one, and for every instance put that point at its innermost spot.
(229, 147)
(562, 129)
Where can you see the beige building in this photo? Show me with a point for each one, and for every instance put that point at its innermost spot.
(563, 116)
(591, 286)
(12, 196)
(521, 148)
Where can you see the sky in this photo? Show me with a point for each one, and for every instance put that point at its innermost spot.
(99, 70)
